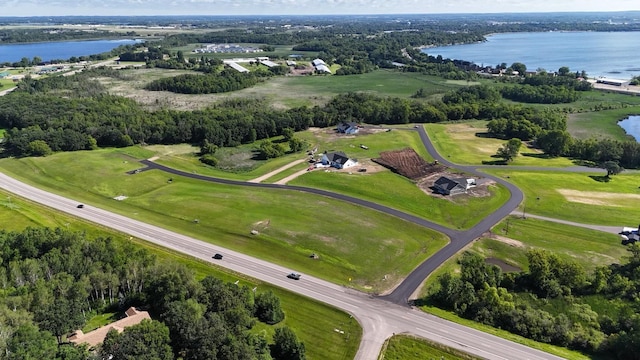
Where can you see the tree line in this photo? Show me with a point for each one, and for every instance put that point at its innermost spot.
(515, 301)
(225, 81)
(52, 281)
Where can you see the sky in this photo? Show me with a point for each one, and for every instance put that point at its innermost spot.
(299, 7)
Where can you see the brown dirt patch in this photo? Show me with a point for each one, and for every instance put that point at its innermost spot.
(407, 163)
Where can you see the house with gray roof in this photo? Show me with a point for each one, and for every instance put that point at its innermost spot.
(447, 186)
(338, 160)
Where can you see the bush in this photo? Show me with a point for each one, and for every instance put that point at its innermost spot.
(209, 160)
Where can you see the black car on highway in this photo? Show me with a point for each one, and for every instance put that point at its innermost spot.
(294, 276)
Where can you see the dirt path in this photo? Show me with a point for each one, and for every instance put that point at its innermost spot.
(608, 229)
(270, 174)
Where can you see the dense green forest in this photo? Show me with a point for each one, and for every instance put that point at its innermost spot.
(40, 121)
(550, 302)
(52, 281)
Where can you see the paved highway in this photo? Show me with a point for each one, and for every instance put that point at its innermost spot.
(379, 318)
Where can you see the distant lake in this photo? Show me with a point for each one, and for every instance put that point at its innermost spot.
(58, 50)
(609, 54)
(632, 126)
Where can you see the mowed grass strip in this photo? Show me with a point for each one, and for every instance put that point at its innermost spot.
(579, 197)
(467, 143)
(313, 321)
(407, 347)
(357, 247)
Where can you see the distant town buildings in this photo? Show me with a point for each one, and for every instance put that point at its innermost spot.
(226, 48)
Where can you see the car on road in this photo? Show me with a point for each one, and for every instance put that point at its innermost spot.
(80, 206)
(217, 256)
(294, 276)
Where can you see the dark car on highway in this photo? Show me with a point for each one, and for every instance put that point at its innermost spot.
(217, 256)
(294, 276)
(80, 206)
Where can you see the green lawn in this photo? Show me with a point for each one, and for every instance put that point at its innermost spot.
(588, 247)
(406, 347)
(466, 143)
(313, 322)
(579, 197)
(387, 188)
(292, 224)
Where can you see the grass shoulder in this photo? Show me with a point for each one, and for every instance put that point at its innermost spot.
(407, 347)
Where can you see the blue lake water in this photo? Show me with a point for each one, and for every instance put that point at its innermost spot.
(632, 126)
(609, 54)
(58, 50)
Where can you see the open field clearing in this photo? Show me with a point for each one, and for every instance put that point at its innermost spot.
(360, 244)
(466, 143)
(312, 321)
(404, 347)
(579, 197)
(286, 91)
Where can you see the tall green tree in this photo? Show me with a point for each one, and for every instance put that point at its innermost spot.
(286, 345)
(148, 340)
(268, 308)
(509, 150)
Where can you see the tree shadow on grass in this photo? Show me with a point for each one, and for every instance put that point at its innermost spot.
(498, 161)
(600, 178)
(537, 155)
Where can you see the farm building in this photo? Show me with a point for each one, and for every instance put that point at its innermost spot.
(268, 63)
(338, 160)
(348, 127)
(97, 336)
(447, 186)
(236, 66)
(320, 66)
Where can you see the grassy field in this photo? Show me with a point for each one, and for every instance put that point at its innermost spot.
(313, 321)
(281, 92)
(363, 245)
(461, 212)
(467, 143)
(579, 197)
(406, 347)
(601, 124)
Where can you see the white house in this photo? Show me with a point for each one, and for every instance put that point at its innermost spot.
(338, 160)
